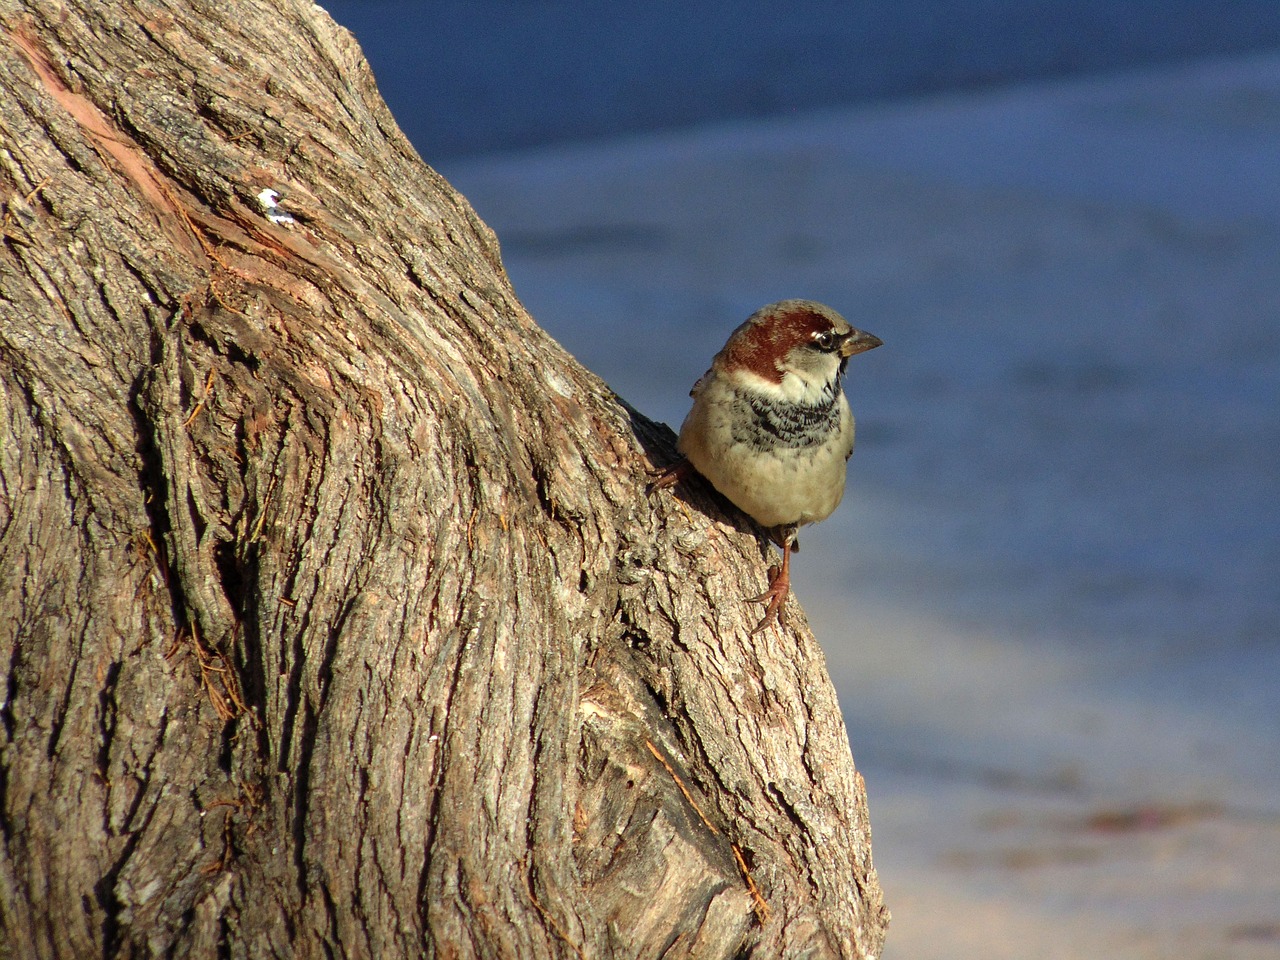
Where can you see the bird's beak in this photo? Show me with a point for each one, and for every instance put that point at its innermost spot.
(859, 341)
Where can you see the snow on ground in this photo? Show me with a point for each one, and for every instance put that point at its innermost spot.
(1051, 601)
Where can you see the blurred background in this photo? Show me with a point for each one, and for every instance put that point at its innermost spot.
(465, 77)
(1051, 600)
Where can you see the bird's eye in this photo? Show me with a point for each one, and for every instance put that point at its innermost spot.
(826, 340)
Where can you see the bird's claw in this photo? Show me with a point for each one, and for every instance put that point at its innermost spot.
(669, 476)
(775, 597)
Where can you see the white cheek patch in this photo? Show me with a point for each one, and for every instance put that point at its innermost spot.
(809, 387)
(748, 380)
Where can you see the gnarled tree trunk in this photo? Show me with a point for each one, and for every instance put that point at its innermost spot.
(334, 618)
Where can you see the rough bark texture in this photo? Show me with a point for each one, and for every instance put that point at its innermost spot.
(334, 618)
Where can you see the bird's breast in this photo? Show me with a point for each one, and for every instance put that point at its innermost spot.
(780, 463)
(760, 421)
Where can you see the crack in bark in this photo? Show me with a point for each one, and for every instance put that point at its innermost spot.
(131, 161)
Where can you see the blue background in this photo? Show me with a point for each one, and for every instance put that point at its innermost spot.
(466, 78)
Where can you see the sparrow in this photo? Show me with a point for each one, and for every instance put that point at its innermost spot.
(770, 427)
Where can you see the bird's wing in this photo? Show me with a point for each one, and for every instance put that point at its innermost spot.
(693, 392)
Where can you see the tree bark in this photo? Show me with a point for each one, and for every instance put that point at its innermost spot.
(334, 617)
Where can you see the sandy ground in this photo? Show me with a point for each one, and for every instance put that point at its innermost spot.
(1051, 601)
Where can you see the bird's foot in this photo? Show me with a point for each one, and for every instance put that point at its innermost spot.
(775, 596)
(670, 476)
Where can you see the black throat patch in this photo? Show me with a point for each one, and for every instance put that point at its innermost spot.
(771, 423)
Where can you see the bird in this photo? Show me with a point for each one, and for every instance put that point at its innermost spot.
(770, 427)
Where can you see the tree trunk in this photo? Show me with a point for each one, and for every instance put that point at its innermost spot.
(334, 617)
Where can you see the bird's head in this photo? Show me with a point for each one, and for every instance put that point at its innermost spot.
(796, 347)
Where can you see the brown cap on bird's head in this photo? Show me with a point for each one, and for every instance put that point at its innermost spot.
(764, 341)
